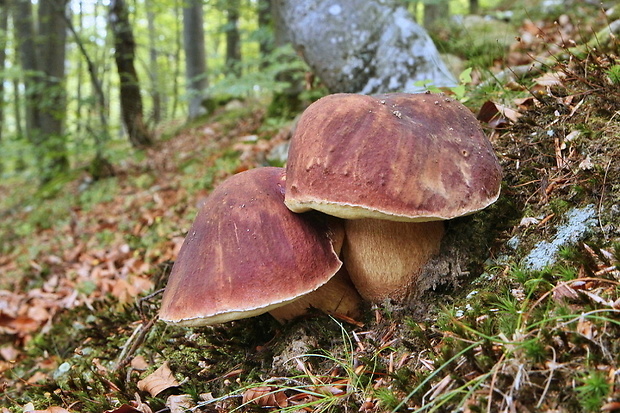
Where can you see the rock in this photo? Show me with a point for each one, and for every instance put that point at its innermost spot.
(363, 46)
(579, 221)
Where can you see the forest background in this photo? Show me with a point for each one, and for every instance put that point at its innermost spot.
(117, 118)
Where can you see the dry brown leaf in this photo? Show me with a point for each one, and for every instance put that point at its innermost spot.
(562, 291)
(158, 381)
(179, 403)
(611, 407)
(550, 79)
(9, 353)
(496, 115)
(265, 396)
(585, 328)
(139, 363)
(51, 409)
(37, 377)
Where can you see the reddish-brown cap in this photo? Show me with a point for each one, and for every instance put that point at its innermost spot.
(246, 254)
(402, 157)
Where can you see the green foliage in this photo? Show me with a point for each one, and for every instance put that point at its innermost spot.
(593, 390)
(98, 192)
(459, 91)
(614, 74)
(270, 79)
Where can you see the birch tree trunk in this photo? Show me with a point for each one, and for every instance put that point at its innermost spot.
(195, 56)
(130, 96)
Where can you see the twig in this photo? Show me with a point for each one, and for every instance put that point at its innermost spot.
(600, 202)
(136, 338)
(552, 368)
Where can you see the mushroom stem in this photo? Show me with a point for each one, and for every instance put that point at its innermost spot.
(386, 258)
(337, 296)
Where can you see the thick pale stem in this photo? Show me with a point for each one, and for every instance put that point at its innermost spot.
(386, 258)
(337, 296)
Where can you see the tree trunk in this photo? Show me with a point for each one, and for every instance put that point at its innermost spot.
(474, 6)
(265, 39)
(43, 63)
(124, 55)
(153, 63)
(24, 28)
(233, 39)
(176, 59)
(3, 31)
(435, 10)
(100, 167)
(53, 38)
(195, 56)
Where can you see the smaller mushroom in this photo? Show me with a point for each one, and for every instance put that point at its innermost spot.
(247, 254)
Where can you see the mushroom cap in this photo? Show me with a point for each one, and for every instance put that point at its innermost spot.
(246, 254)
(397, 156)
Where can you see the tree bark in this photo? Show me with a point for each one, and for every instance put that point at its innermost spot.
(435, 10)
(195, 56)
(53, 38)
(3, 31)
(265, 23)
(124, 55)
(233, 39)
(100, 166)
(153, 62)
(24, 28)
(42, 56)
(474, 6)
(285, 103)
(176, 59)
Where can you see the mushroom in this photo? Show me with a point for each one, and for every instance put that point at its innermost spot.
(395, 166)
(247, 254)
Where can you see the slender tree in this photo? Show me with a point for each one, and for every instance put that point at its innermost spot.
(233, 38)
(153, 62)
(52, 51)
(175, 62)
(42, 56)
(287, 102)
(100, 166)
(474, 6)
(195, 56)
(130, 96)
(435, 10)
(3, 34)
(265, 29)
(24, 28)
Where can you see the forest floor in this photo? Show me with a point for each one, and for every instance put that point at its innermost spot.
(532, 323)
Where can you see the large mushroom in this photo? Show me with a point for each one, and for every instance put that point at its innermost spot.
(247, 254)
(395, 166)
